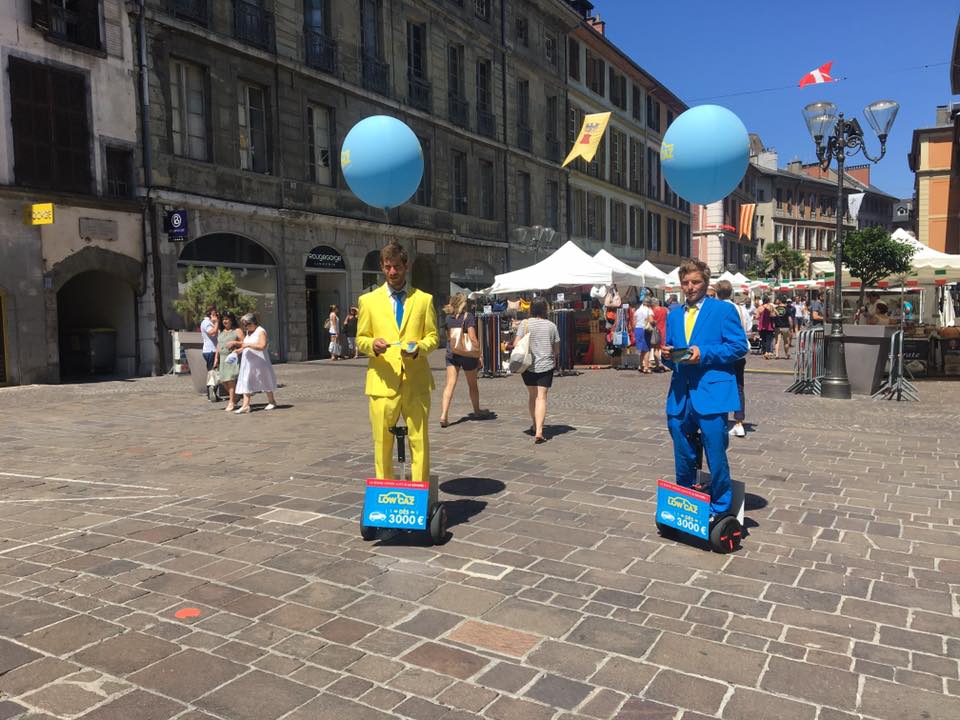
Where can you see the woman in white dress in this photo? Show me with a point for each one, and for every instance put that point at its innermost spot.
(256, 372)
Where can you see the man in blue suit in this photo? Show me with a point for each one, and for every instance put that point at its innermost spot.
(703, 388)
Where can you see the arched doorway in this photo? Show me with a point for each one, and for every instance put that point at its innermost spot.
(326, 285)
(96, 320)
(254, 268)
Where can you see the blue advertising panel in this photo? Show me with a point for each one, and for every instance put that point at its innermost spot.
(683, 509)
(396, 504)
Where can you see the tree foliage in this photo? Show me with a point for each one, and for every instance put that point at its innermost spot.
(872, 254)
(211, 286)
(757, 268)
(782, 260)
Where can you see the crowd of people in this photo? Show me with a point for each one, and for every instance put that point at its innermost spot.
(238, 355)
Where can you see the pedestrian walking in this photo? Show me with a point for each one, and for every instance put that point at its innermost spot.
(333, 327)
(657, 338)
(256, 371)
(765, 327)
(230, 338)
(643, 322)
(350, 333)
(210, 329)
(783, 329)
(461, 328)
(544, 348)
(816, 310)
(725, 293)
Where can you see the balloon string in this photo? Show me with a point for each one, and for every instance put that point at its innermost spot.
(796, 86)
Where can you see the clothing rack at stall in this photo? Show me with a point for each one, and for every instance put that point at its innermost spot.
(490, 328)
(566, 326)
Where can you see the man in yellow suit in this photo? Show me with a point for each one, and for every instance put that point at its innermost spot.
(397, 330)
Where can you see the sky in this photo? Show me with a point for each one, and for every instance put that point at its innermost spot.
(700, 49)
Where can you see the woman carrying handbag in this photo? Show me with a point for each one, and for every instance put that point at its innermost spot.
(539, 341)
(463, 353)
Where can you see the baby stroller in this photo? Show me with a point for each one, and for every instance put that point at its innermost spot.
(756, 344)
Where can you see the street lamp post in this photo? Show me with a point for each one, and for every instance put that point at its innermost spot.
(837, 138)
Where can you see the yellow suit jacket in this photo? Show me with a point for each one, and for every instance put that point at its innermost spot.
(387, 372)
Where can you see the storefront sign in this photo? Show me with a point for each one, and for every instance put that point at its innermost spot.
(175, 223)
(98, 229)
(684, 509)
(324, 257)
(473, 272)
(39, 214)
(395, 504)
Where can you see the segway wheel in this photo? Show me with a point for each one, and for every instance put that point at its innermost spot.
(726, 535)
(367, 533)
(438, 524)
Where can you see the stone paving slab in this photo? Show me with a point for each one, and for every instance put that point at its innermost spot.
(124, 503)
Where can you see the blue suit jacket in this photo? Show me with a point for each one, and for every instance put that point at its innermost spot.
(711, 384)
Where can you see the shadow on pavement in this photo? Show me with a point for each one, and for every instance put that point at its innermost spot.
(753, 502)
(472, 487)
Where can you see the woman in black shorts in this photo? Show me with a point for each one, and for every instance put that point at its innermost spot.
(458, 317)
(544, 347)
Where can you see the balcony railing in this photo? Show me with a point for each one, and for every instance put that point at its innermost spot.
(524, 137)
(419, 92)
(459, 110)
(252, 24)
(486, 123)
(72, 26)
(321, 51)
(554, 150)
(195, 11)
(376, 75)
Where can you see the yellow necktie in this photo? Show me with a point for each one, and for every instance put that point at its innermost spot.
(690, 320)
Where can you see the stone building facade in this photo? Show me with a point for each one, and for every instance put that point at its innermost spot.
(249, 102)
(620, 201)
(73, 291)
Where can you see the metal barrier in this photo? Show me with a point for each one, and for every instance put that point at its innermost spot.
(897, 386)
(808, 372)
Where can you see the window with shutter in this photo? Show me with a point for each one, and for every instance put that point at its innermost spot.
(113, 27)
(51, 137)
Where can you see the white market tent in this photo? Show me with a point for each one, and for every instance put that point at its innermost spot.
(640, 274)
(929, 265)
(649, 270)
(568, 266)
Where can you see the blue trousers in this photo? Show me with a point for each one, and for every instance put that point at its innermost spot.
(713, 433)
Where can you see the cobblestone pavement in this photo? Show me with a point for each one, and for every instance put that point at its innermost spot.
(123, 503)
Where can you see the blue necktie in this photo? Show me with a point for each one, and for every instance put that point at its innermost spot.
(398, 306)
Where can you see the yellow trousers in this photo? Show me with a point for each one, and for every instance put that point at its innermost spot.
(384, 412)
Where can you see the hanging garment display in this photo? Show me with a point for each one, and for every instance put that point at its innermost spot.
(490, 330)
(565, 322)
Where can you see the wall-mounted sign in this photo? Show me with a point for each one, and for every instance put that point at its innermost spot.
(39, 214)
(175, 224)
(97, 229)
(324, 257)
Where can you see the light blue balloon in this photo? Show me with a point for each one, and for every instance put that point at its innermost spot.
(382, 161)
(705, 153)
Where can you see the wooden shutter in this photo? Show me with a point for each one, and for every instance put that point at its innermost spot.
(113, 27)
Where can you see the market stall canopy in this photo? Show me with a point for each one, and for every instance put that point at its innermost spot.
(627, 275)
(568, 266)
(929, 266)
(649, 270)
(672, 280)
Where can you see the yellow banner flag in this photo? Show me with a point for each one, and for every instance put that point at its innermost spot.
(589, 138)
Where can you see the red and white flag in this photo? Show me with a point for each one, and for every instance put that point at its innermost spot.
(817, 76)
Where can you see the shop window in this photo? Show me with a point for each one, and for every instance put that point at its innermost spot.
(51, 137)
(370, 276)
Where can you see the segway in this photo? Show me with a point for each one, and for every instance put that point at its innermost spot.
(687, 509)
(402, 504)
